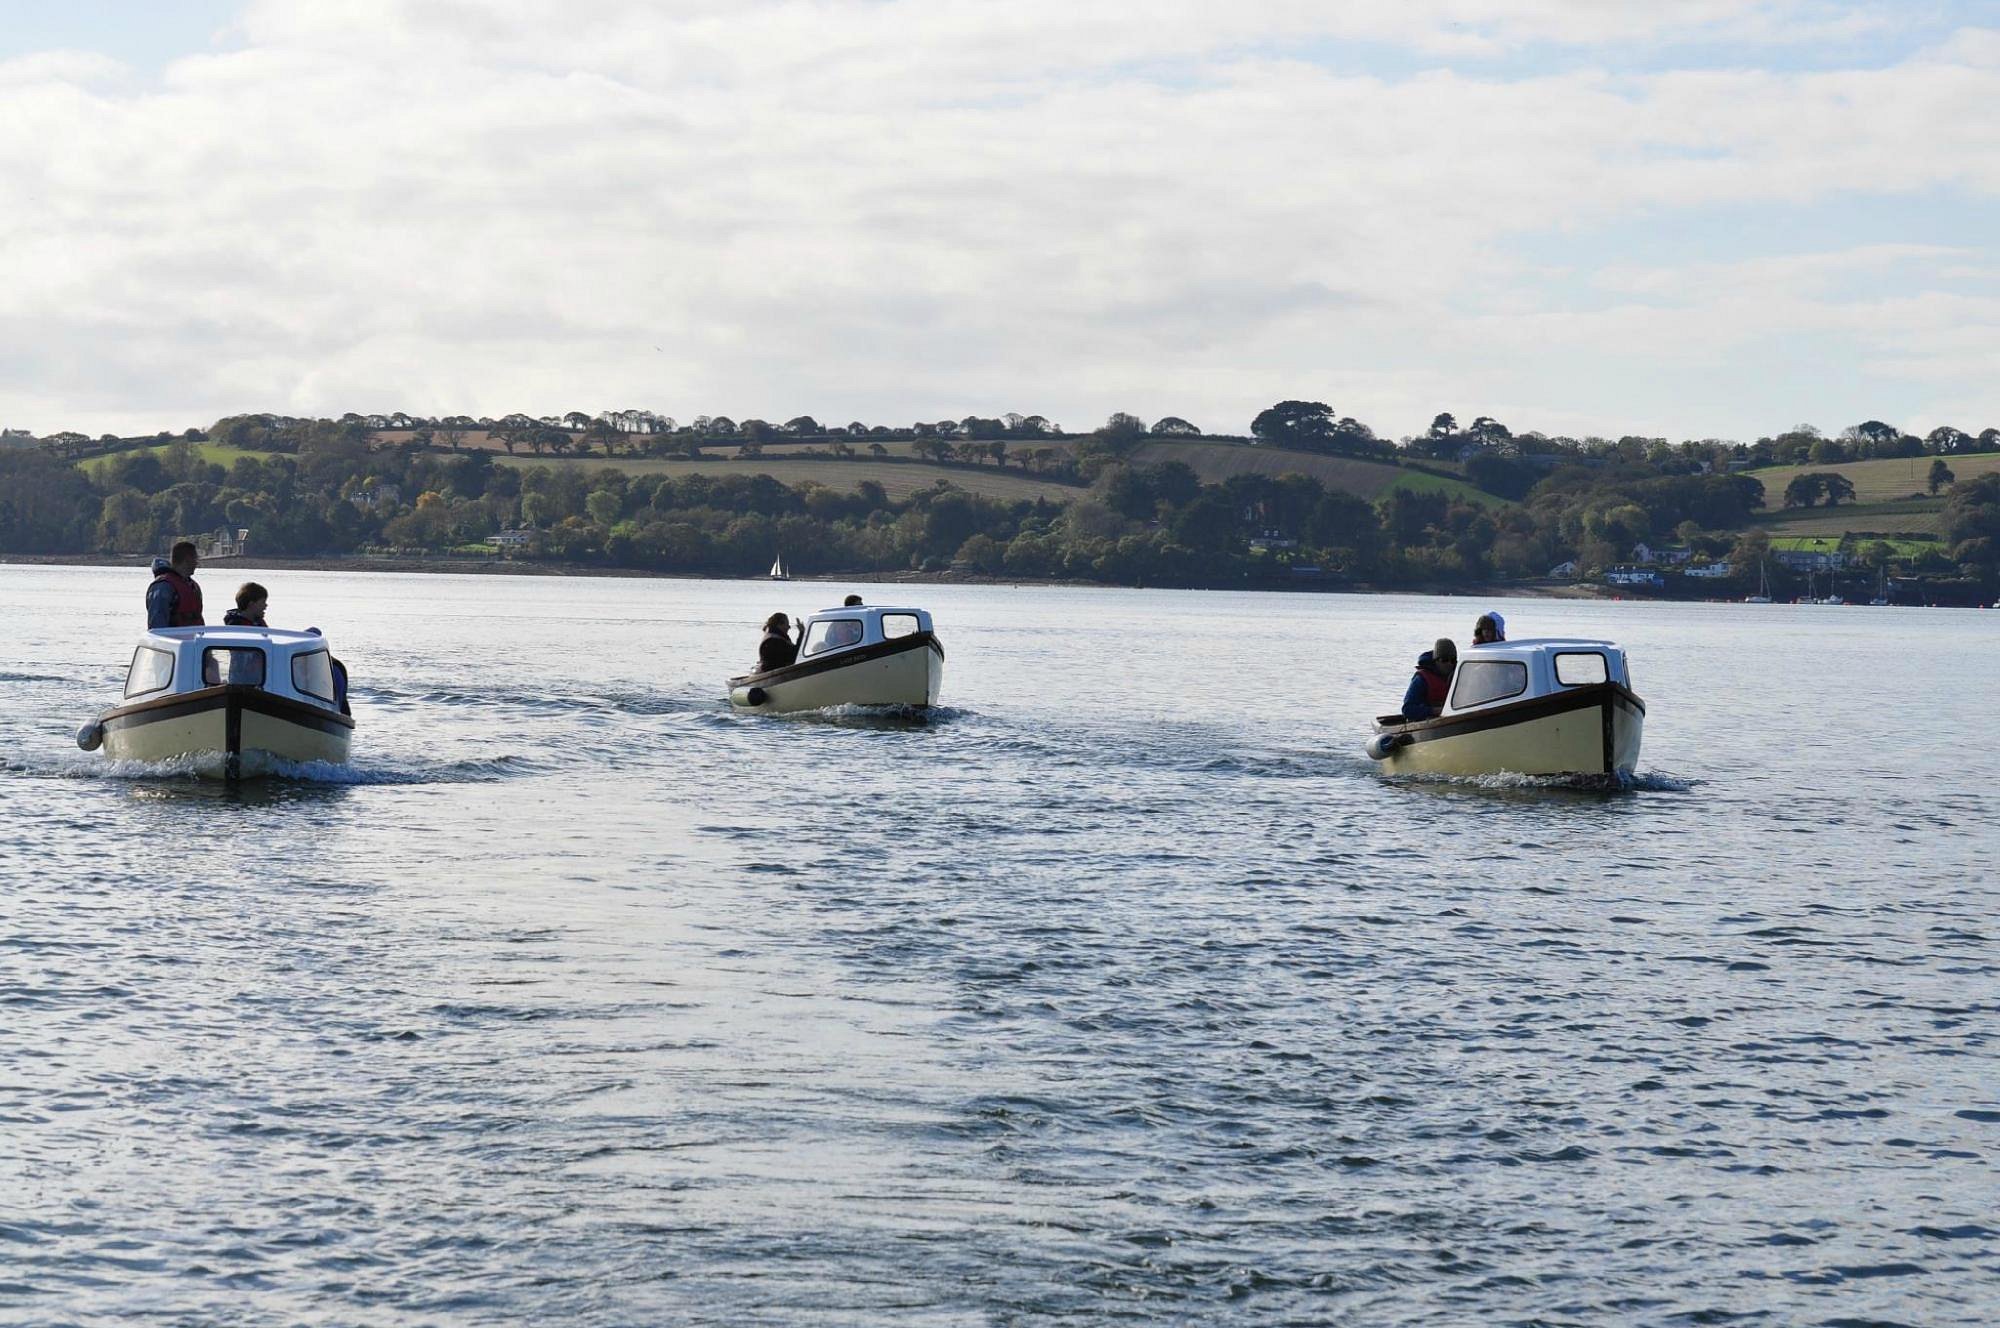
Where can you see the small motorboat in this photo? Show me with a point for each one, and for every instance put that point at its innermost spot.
(247, 695)
(852, 656)
(1541, 707)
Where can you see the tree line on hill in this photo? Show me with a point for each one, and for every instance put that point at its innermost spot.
(331, 489)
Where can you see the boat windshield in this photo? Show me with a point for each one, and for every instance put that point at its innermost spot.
(151, 671)
(235, 666)
(312, 674)
(831, 634)
(1580, 668)
(1479, 681)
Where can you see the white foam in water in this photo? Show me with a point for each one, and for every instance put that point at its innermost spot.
(210, 765)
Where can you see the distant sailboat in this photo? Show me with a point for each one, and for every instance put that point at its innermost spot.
(1881, 587)
(778, 572)
(1763, 595)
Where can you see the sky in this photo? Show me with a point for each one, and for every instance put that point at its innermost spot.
(1710, 218)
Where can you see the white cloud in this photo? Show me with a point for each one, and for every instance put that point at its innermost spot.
(898, 210)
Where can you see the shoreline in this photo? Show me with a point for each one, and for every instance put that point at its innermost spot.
(513, 567)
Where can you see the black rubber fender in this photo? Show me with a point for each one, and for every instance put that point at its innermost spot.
(91, 736)
(756, 696)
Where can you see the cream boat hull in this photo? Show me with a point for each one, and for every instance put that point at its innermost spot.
(1592, 730)
(246, 726)
(908, 671)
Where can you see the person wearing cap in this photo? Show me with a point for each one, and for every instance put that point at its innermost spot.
(851, 602)
(1489, 630)
(1432, 682)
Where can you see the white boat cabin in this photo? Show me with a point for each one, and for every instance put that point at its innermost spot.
(833, 630)
(1505, 671)
(174, 660)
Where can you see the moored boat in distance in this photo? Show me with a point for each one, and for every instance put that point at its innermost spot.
(1763, 595)
(1536, 707)
(853, 656)
(248, 695)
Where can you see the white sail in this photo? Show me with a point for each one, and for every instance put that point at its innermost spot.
(778, 568)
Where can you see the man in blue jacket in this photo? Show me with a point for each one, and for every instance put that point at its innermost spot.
(174, 598)
(1431, 683)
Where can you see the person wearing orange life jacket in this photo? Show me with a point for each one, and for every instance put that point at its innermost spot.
(1432, 681)
(174, 599)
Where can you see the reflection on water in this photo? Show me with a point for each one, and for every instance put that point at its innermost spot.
(1122, 990)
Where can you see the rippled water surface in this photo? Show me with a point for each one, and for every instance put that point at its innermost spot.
(1124, 991)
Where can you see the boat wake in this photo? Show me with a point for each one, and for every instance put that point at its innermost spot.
(1651, 781)
(875, 716)
(209, 766)
(620, 702)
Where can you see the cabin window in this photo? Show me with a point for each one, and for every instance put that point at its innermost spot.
(239, 666)
(312, 675)
(1581, 669)
(832, 634)
(152, 671)
(899, 624)
(1481, 681)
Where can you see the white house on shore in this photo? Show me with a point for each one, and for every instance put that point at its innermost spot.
(511, 539)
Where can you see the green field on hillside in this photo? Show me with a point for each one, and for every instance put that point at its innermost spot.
(1921, 517)
(1904, 548)
(1217, 461)
(1888, 480)
(898, 479)
(1214, 460)
(213, 453)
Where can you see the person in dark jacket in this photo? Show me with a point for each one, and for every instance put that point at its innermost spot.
(251, 601)
(1432, 682)
(777, 649)
(174, 598)
(1489, 629)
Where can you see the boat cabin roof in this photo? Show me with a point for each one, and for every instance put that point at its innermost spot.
(1534, 645)
(280, 638)
(868, 611)
(1505, 671)
(274, 659)
(845, 628)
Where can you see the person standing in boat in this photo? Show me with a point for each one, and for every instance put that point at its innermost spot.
(174, 599)
(1432, 682)
(777, 649)
(1489, 630)
(251, 601)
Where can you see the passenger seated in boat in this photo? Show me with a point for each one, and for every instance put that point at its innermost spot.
(851, 602)
(777, 649)
(1489, 630)
(1432, 682)
(251, 601)
(840, 634)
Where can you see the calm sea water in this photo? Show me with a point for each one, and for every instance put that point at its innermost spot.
(1125, 991)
